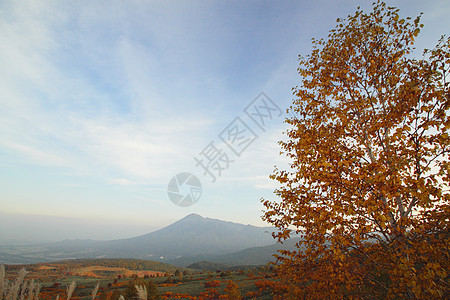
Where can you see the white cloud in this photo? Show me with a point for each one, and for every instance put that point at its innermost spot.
(126, 93)
(54, 117)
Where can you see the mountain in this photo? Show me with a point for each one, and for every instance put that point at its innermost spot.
(249, 256)
(256, 255)
(193, 235)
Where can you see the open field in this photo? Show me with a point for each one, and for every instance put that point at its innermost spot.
(118, 277)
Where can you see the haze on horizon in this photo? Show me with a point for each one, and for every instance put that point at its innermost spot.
(102, 103)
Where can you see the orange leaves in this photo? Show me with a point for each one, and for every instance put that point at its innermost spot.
(232, 291)
(214, 283)
(369, 145)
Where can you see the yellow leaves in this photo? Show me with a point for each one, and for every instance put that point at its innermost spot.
(350, 211)
(360, 143)
(326, 164)
(441, 273)
(431, 273)
(433, 266)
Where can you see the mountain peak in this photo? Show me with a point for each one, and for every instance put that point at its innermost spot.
(193, 216)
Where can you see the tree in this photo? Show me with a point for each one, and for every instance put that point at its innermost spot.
(368, 184)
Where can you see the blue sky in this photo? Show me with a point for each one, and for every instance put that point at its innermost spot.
(103, 102)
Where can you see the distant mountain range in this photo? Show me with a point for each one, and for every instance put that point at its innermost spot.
(189, 240)
(249, 256)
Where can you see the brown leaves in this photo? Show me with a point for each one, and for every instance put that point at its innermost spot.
(368, 188)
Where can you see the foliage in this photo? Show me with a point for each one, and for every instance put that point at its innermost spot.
(130, 292)
(153, 292)
(209, 293)
(369, 179)
(196, 286)
(232, 291)
(115, 295)
(214, 283)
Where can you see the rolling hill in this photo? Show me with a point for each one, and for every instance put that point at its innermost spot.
(250, 256)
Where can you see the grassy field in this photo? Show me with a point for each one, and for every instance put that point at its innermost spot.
(118, 277)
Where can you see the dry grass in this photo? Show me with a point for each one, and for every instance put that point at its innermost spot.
(142, 292)
(95, 290)
(70, 289)
(20, 288)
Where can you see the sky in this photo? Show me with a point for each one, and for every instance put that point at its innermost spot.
(102, 103)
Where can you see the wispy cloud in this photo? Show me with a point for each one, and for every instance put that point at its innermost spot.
(56, 117)
(112, 98)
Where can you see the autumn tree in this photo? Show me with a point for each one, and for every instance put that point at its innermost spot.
(368, 183)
